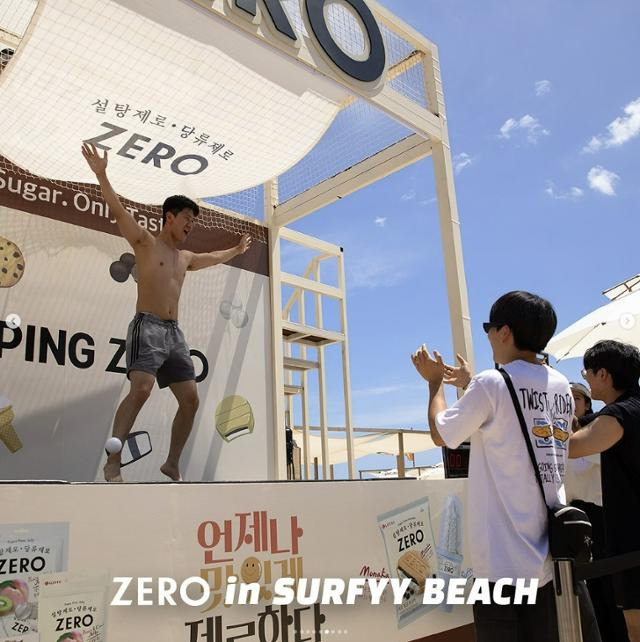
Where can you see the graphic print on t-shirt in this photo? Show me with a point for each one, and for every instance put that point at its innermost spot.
(550, 429)
(560, 432)
(546, 436)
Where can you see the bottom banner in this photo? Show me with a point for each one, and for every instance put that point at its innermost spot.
(226, 562)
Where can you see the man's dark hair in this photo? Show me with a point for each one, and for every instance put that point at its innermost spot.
(620, 360)
(176, 204)
(531, 319)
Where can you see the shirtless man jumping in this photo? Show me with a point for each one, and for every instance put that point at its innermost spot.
(156, 347)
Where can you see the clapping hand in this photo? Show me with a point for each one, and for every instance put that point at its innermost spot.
(459, 376)
(431, 369)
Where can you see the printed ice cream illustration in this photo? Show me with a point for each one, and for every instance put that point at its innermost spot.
(12, 263)
(412, 566)
(449, 546)
(234, 418)
(411, 554)
(73, 607)
(8, 434)
(27, 611)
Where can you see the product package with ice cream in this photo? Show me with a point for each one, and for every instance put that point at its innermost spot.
(73, 607)
(411, 554)
(28, 553)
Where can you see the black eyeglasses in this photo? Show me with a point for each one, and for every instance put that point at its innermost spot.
(488, 325)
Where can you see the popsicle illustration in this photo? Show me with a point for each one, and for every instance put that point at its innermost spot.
(8, 434)
(449, 546)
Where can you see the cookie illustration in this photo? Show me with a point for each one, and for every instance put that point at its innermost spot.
(542, 431)
(411, 565)
(560, 435)
(234, 418)
(12, 263)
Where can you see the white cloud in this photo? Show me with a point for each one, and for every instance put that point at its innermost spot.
(529, 125)
(460, 161)
(428, 201)
(602, 180)
(406, 415)
(543, 87)
(372, 270)
(408, 196)
(380, 221)
(593, 145)
(509, 124)
(387, 390)
(576, 192)
(572, 194)
(620, 131)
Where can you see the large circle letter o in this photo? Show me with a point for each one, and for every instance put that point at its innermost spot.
(368, 70)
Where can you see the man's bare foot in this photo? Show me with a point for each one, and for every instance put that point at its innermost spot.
(112, 472)
(171, 471)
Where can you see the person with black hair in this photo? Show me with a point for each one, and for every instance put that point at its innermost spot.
(612, 370)
(507, 516)
(584, 491)
(156, 347)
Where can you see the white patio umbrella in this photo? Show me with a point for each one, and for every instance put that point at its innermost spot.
(619, 320)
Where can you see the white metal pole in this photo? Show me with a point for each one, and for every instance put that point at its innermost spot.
(279, 460)
(401, 467)
(324, 433)
(567, 605)
(449, 220)
(346, 370)
(304, 400)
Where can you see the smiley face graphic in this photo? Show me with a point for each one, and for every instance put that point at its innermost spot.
(251, 570)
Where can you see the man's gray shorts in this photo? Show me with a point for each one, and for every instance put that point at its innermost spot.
(158, 347)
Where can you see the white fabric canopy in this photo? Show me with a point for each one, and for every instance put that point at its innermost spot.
(374, 444)
(424, 472)
(619, 320)
(211, 109)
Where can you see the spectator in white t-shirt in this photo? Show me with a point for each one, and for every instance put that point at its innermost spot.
(582, 480)
(507, 517)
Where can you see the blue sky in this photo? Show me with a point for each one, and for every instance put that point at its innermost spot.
(543, 105)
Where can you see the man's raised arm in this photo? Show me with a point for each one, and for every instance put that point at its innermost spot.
(127, 225)
(208, 259)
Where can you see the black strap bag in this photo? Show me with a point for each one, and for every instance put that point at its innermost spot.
(569, 527)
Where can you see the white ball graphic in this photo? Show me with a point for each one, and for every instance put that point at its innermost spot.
(240, 318)
(225, 310)
(113, 445)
